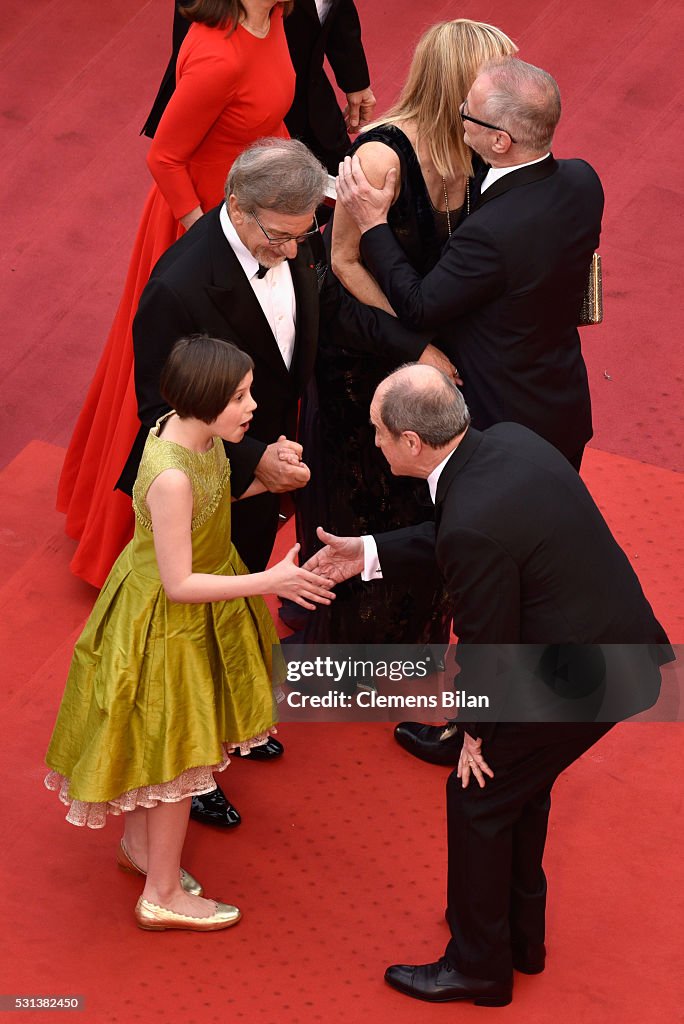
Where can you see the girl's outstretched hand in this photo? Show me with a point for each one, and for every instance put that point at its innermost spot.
(299, 585)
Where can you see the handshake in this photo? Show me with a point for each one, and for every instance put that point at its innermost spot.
(281, 469)
(312, 583)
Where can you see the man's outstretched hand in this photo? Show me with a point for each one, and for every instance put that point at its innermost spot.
(339, 560)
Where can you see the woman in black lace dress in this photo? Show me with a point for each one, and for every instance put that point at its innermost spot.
(352, 490)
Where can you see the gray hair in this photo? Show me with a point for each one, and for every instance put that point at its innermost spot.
(525, 100)
(277, 174)
(432, 408)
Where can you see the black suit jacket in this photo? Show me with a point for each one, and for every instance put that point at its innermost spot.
(527, 558)
(508, 289)
(315, 116)
(199, 287)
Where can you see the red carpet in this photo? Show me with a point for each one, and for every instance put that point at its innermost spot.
(340, 864)
(75, 90)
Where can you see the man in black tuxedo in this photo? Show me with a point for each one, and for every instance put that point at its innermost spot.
(315, 29)
(509, 284)
(252, 271)
(245, 272)
(538, 585)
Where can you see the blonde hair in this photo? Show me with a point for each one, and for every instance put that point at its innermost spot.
(444, 66)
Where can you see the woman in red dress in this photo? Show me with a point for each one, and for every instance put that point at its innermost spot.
(235, 83)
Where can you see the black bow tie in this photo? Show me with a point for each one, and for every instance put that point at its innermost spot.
(262, 271)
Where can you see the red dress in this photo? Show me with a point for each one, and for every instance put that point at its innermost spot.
(231, 91)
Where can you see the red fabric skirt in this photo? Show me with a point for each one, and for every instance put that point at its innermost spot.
(99, 517)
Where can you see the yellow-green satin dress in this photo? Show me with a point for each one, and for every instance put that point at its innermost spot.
(158, 692)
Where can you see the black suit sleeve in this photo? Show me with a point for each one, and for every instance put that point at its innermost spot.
(470, 273)
(482, 579)
(484, 586)
(244, 458)
(162, 319)
(344, 49)
(407, 553)
(168, 82)
(351, 324)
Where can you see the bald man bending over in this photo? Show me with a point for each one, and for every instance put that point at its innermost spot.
(528, 560)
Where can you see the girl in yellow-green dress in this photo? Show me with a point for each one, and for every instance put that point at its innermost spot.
(173, 668)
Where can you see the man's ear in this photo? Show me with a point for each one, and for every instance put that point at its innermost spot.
(502, 143)
(237, 215)
(413, 442)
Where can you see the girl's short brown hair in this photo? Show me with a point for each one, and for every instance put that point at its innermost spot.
(201, 375)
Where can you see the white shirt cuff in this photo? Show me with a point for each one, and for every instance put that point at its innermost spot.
(371, 560)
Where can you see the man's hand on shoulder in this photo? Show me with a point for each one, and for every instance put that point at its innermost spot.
(366, 205)
(281, 469)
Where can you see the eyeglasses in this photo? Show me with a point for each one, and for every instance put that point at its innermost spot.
(282, 239)
(483, 124)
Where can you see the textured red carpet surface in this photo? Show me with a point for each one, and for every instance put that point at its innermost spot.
(75, 90)
(340, 864)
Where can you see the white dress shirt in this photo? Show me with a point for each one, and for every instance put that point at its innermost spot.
(274, 291)
(494, 173)
(323, 8)
(372, 569)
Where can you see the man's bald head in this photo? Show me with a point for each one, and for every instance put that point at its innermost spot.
(422, 400)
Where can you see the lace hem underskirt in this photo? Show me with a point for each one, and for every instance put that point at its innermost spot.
(192, 782)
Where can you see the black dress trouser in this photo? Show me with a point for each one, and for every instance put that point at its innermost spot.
(254, 524)
(496, 895)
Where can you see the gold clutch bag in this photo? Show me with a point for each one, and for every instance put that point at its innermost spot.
(591, 311)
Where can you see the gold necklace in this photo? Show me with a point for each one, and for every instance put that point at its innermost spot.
(260, 33)
(446, 201)
(446, 204)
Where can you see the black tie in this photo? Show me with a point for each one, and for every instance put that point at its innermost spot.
(262, 271)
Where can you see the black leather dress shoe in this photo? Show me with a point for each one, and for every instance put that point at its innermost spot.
(426, 742)
(442, 983)
(266, 752)
(213, 809)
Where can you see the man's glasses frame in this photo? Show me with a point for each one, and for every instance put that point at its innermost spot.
(483, 124)
(286, 238)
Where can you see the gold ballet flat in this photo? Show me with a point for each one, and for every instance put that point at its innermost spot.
(158, 919)
(126, 863)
